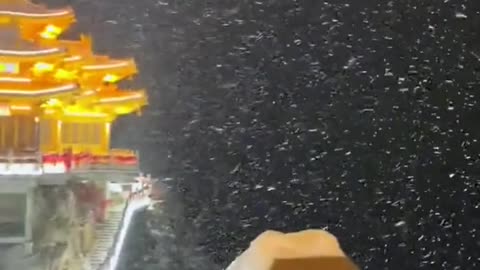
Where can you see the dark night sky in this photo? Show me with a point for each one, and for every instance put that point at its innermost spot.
(357, 116)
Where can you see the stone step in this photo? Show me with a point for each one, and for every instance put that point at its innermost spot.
(105, 234)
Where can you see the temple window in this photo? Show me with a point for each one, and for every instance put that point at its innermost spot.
(18, 133)
(47, 135)
(82, 133)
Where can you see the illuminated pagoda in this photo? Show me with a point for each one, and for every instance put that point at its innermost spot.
(62, 187)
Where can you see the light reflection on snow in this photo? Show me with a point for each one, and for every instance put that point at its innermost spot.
(133, 206)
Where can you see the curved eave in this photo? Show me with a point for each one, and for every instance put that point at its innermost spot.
(125, 66)
(74, 47)
(72, 59)
(129, 97)
(83, 117)
(86, 116)
(25, 93)
(125, 103)
(14, 79)
(87, 93)
(32, 11)
(32, 54)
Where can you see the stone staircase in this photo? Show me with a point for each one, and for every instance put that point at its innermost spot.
(104, 240)
(105, 252)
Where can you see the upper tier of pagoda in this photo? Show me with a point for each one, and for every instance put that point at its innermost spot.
(23, 9)
(57, 96)
(41, 67)
(13, 48)
(34, 18)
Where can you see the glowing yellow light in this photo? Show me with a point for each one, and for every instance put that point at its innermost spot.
(4, 110)
(47, 35)
(79, 111)
(123, 110)
(89, 92)
(107, 128)
(51, 32)
(20, 107)
(62, 74)
(5, 20)
(72, 58)
(53, 102)
(85, 114)
(111, 78)
(42, 68)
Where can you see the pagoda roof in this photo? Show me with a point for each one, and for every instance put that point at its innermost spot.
(82, 47)
(121, 102)
(23, 87)
(72, 58)
(110, 97)
(11, 45)
(25, 8)
(102, 63)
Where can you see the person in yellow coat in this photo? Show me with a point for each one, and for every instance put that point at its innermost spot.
(304, 250)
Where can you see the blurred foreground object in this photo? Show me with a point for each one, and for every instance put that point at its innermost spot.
(304, 250)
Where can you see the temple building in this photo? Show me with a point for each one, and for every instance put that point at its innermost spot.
(58, 100)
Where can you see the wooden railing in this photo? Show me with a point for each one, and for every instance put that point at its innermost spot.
(19, 157)
(116, 160)
(20, 163)
(37, 163)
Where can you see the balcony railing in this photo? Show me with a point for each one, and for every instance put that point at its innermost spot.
(20, 163)
(32, 163)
